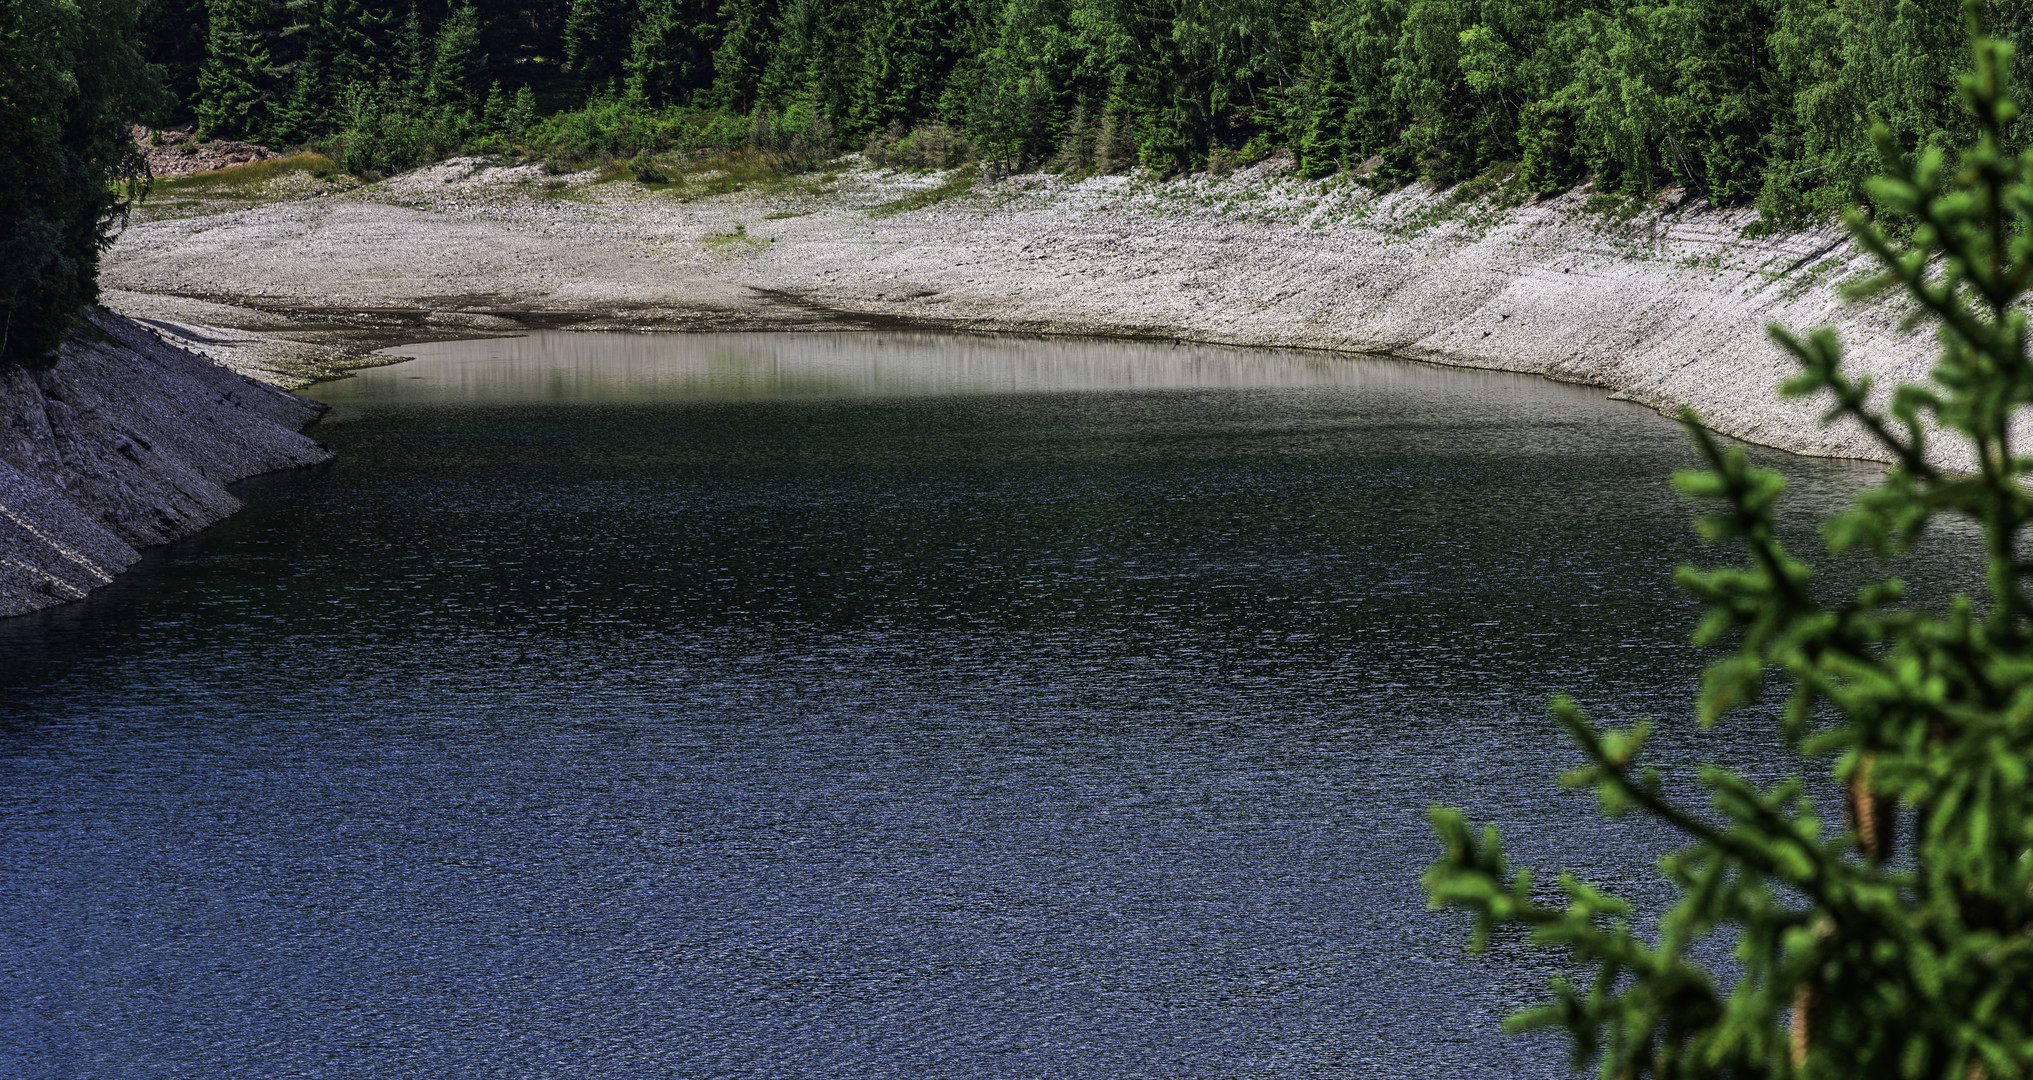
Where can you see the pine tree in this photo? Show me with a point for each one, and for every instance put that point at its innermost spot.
(457, 65)
(598, 34)
(671, 55)
(521, 113)
(904, 63)
(241, 88)
(359, 38)
(1324, 146)
(312, 88)
(494, 117)
(173, 35)
(410, 81)
(1898, 943)
(743, 53)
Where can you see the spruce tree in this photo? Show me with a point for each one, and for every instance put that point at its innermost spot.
(173, 35)
(598, 34)
(904, 63)
(738, 62)
(671, 55)
(242, 87)
(1897, 941)
(410, 81)
(521, 113)
(358, 38)
(1324, 145)
(457, 65)
(816, 58)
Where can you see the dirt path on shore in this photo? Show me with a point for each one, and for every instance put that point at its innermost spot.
(1667, 306)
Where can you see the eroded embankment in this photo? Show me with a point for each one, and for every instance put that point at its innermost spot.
(1666, 303)
(130, 443)
(126, 443)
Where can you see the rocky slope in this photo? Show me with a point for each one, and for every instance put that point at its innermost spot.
(130, 442)
(126, 443)
(1666, 303)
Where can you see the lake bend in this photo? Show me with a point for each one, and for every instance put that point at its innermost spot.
(852, 705)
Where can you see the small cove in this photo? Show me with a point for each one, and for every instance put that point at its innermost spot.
(849, 705)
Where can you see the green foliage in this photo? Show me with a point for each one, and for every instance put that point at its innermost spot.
(382, 134)
(457, 68)
(244, 89)
(908, 54)
(598, 37)
(739, 61)
(1757, 101)
(1849, 65)
(71, 79)
(671, 53)
(1326, 144)
(1547, 138)
(1898, 944)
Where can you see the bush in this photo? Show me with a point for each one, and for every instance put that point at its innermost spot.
(1899, 943)
(928, 147)
(646, 169)
(800, 137)
(611, 129)
(378, 134)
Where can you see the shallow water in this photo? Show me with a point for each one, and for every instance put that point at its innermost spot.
(846, 706)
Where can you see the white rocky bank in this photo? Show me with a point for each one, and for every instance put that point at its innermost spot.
(1667, 306)
(128, 442)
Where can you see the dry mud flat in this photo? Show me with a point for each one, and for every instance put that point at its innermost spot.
(1667, 307)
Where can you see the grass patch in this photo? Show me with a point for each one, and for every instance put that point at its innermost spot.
(241, 180)
(1616, 206)
(783, 214)
(960, 183)
(732, 243)
(691, 175)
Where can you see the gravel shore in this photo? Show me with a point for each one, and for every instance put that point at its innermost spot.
(1664, 303)
(129, 442)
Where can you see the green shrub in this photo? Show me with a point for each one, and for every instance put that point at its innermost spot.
(614, 128)
(922, 149)
(1898, 942)
(646, 169)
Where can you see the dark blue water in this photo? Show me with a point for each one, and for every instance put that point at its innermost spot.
(845, 706)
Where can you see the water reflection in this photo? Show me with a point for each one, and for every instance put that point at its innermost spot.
(562, 366)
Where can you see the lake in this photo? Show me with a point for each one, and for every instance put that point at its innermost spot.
(849, 705)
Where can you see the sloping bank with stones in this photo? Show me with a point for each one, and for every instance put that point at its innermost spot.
(1667, 306)
(1665, 303)
(128, 442)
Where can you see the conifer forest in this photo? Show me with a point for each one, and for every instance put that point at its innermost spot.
(1767, 101)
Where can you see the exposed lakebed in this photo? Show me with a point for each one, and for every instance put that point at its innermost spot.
(848, 705)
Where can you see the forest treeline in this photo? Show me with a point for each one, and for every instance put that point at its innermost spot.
(1738, 100)
(1769, 100)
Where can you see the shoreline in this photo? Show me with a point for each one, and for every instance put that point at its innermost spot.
(128, 443)
(1663, 303)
